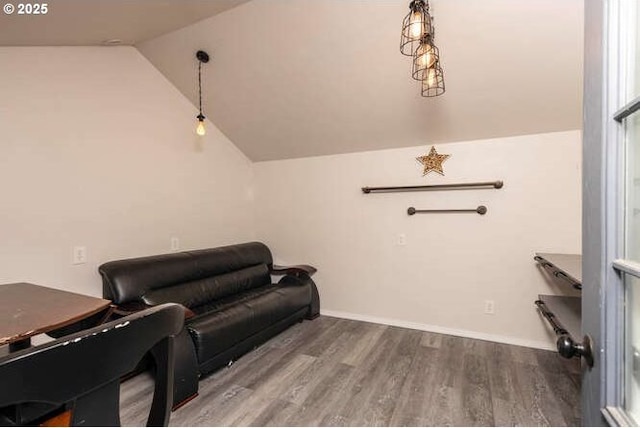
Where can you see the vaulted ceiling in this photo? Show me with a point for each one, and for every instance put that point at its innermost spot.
(93, 22)
(294, 78)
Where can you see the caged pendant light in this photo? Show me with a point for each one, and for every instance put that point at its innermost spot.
(426, 56)
(417, 40)
(432, 82)
(415, 25)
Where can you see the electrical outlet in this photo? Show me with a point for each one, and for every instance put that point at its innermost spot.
(489, 307)
(79, 255)
(175, 244)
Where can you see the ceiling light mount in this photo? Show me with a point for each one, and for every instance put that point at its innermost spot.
(202, 56)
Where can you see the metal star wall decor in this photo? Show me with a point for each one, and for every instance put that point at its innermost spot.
(432, 162)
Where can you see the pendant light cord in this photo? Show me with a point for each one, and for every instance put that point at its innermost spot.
(200, 85)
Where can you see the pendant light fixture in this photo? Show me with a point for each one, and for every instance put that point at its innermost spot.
(202, 57)
(415, 25)
(418, 41)
(432, 82)
(426, 56)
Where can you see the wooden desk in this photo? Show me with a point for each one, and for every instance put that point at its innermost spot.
(29, 309)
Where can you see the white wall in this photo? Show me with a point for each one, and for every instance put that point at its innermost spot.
(312, 210)
(98, 149)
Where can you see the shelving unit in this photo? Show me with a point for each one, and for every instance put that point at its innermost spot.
(564, 313)
(564, 266)
(567, 309)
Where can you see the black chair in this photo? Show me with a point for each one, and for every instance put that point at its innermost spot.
(79, 375)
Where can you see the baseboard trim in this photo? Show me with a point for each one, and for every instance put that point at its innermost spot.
(442, 330)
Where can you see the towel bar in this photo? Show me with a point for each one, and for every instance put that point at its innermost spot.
(454, 186)
(482, 210)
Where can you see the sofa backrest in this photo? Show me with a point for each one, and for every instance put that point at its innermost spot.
(191, 278)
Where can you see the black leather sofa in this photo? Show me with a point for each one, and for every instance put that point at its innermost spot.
(230, 302)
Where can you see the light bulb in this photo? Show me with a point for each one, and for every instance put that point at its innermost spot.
(200, 130)
(425, 56)
(415, 25)
(431, 77)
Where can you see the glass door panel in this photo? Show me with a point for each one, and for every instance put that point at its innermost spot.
(630, 44)
(632, 351)
(632, 184)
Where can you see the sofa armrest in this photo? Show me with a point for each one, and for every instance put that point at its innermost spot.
(188, 313)
(129, 308)
(296, 270)
(133, 307)
(304, 281)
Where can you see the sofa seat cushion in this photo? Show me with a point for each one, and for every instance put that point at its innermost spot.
(226, 322)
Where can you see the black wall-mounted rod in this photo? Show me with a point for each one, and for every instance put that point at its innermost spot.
(557, 272)
(427, 187)
(567, 346)
(557, 326)
(482, 210)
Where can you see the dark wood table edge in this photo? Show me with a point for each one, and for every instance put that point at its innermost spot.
(23, 340)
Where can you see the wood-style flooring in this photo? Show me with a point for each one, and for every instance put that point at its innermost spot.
(336, 372)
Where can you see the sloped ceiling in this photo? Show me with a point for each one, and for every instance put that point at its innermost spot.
(295, 78)
(83, 22)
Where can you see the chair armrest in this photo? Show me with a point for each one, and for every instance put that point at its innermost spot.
(296, 270)
(133, 307)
